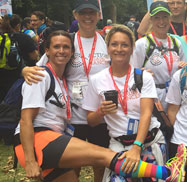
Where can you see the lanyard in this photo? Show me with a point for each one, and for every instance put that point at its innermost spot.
(123, 101)
(174, 31)
(169, 65)
(61, 87)
(86, 69)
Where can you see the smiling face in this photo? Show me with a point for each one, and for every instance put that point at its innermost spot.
(59, 51)
(160, 24)
(87, 19)
(177, 7)
(120, 48)
(36, 22)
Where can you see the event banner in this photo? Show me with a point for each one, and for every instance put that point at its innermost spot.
(5, 7)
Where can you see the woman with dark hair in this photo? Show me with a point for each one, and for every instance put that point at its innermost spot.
(26, 48)
(43, 148)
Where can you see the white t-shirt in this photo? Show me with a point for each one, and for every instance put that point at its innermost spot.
(77, 80)
(157, 63)
(174, 97)
(50, 115)
(119, 123)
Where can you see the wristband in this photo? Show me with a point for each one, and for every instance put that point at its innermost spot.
(140, 144)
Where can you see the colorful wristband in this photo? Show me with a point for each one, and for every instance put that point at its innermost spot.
(140, 144)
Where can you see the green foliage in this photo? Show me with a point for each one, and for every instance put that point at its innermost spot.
(61, 10)
(126, 8)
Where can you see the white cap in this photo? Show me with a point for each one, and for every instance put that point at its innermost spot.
(109, 21)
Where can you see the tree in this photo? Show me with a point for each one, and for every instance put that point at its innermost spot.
(117, 10)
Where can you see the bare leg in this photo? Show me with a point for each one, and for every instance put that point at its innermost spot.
(80, 153)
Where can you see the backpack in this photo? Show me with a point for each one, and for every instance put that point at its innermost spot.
(183, 79)
(166, 127)
(45, 33)
(152, 46)
(10, 57)
(10, 108)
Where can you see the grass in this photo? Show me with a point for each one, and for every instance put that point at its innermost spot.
(8, 174)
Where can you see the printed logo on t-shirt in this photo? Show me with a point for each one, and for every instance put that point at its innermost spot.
(58, 102)
(156, 59)
(98, 59)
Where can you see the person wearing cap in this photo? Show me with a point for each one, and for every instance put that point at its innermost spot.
(133, 25)
(90, 57)
(158, 51)
(177, 24)
(107, 28)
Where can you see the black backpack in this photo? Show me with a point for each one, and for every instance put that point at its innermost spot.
(166, 127)
(10, 108)
(152, 46)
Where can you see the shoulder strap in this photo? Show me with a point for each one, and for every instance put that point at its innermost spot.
(149, 50)
(2, 45)
(51, 90)
(183, 80)
(138, 78)
(175, 47)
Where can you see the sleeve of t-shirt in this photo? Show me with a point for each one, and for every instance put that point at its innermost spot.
(174, 95)
(34, 95)
(148, 89)
(139, 52)
(43, 60)
(181, 52)
(92, 99)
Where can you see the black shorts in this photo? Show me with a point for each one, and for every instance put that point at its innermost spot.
(97, 135)
(49, 147)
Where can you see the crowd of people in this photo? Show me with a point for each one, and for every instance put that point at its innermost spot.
(76, 125)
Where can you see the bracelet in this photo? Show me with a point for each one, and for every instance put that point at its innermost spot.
(100, 112)
(140, 144)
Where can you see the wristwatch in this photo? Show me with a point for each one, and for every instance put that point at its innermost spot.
(140, 144)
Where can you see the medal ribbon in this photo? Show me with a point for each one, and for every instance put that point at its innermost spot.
(86, 69)
(123, 101)
(61, 87)
(169, 65)
(174, 31)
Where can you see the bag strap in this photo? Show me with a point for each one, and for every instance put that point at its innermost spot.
(2, 45)
(51, 91)
(152, 46)
(138, 78)
(175, 45)
(149, 50)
